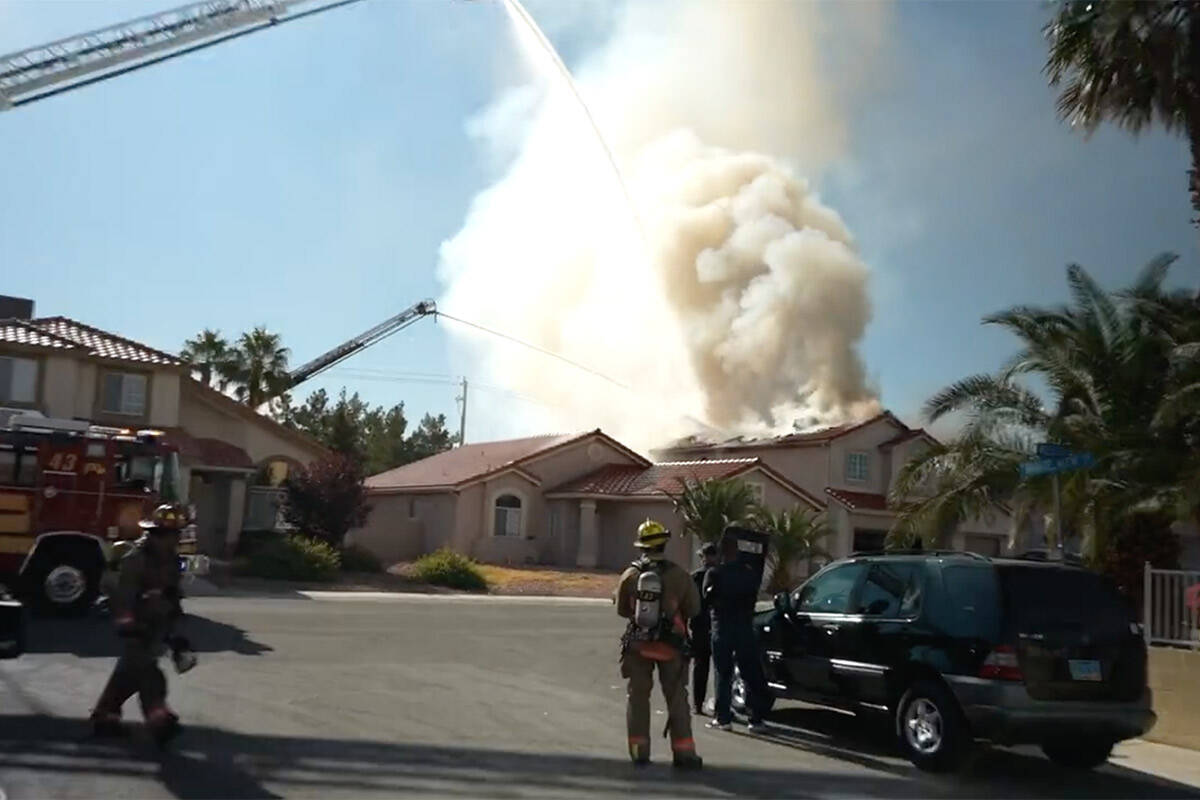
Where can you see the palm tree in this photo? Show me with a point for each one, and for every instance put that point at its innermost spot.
(795, 537)
(1131, 63)
(209, 355)
(260, 367)
(1118, 371)
(709, 506)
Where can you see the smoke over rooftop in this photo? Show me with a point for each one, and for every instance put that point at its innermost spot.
(733, 296)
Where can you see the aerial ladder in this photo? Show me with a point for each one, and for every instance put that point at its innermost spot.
(425, 308)
(77, 61)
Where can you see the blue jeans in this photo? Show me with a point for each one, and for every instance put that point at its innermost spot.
(736, 644)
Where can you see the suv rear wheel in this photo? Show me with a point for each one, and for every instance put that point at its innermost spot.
(931, 728)
(1078, 753)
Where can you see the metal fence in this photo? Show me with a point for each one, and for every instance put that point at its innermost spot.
(1171, 607)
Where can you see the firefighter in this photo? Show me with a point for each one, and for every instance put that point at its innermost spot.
(701, 629)
(145, 606)
(658, 598)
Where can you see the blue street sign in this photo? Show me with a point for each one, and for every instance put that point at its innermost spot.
(1049, 466)
(1048, 450)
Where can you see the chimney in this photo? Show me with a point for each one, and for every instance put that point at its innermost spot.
(15, 307)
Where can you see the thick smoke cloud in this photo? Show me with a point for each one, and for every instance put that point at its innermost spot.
(733, 296)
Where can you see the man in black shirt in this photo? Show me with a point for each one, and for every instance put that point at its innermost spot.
(701, 628)
(731, 590)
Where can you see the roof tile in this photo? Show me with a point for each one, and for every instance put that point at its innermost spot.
(858, 501)
(16, 331)
(635, 481)
(103, 344)
(464, 463)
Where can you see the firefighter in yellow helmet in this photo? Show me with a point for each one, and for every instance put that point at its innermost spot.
(145, 606)
(658, 597)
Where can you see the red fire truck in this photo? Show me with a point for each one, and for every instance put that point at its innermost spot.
(70, 491)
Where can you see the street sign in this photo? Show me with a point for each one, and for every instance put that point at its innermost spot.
(1051, 466)
(1048, 450)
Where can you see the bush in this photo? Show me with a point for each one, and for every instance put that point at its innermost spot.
(293, 558)
(359, 559)
(448, 568)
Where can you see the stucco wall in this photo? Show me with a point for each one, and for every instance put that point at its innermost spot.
(389, 533)
(259, 440)
(164, 399)
(865, 440)
(520, 549)
(1175, 681)
(574, 462)
(804, 466)
(60, 393)
(618, 523)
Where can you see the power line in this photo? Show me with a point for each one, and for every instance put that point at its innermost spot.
(541, 350)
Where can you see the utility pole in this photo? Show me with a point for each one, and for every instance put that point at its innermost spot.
(462, 420)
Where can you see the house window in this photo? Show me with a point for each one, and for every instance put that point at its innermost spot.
(508, 516)
(866, 541)
(756, 490)
(856, 467)
(18, 380)
(124, 393)
(984, 545)
(412, 508)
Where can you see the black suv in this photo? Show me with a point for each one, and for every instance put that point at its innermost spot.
(958, 647)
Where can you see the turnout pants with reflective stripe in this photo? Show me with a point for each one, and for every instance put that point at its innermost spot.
(136, 672)
(672, 677)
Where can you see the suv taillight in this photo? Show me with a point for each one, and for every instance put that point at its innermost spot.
(1001, 664)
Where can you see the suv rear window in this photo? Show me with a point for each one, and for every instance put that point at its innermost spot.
(1053, 598)
(974, 601)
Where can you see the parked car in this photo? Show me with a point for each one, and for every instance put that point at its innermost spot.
(12, 625)
(956, 647)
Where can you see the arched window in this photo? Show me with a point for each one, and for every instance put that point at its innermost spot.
(508, 515)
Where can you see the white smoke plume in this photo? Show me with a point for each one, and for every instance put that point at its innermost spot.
(733, 297)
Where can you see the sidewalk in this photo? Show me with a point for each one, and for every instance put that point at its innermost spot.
(1177, 764)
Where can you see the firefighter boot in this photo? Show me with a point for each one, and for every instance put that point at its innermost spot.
(164, 725)
(687, 759)
(106, 724)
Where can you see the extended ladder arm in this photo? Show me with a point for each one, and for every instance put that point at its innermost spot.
(380, 332)
(105, 53)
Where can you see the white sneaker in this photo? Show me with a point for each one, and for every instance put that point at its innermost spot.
(757, 727)
(719, 726)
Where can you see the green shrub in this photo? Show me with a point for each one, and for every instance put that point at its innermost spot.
(448, 568)
(293, 558)
(359, 559)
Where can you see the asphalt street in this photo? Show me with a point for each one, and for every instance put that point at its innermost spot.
(436, 697)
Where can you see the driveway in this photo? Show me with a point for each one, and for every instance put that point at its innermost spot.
(321, 696)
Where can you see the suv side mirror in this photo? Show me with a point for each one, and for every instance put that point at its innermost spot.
(783, 602)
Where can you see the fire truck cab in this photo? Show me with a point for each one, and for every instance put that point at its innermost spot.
(69, 492)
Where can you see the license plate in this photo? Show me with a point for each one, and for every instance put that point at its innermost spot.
(1084, 670)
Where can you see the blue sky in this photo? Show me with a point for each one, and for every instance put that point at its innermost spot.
(304, 177)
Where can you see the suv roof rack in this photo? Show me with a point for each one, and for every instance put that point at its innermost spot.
(1043, 555)
(920, 552)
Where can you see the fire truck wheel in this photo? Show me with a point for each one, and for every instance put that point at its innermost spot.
(65, 585)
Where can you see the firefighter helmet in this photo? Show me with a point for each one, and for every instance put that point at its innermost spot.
(651, 534)
(170, 516)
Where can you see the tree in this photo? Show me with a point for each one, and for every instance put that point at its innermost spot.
(1131, 63)
(1117, 370)
(795, 537)
(386, 446)
(707, 507)
(327, 499)
(260, 367)
(430, 438)
(210, 357)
